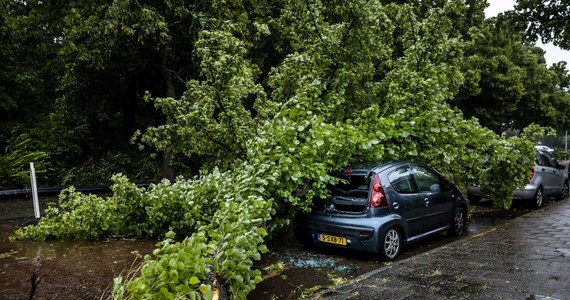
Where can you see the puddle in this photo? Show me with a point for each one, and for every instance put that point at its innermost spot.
(478, 224)
(69, 269)
(17, 209)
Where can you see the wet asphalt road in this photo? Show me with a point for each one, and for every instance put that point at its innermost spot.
(526, 258)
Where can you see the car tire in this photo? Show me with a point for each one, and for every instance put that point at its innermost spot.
(390, 244)
(538, 198)
(458, 222)
(564, 193)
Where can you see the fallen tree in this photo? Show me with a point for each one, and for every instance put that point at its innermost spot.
(362, 81)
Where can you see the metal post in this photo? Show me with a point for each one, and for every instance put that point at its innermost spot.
(34, 191)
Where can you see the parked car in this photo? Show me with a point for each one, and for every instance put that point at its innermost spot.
(548, 179)
(380, 207)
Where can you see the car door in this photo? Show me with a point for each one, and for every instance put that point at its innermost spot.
(408, 203)
(438, 200)
(541, 172)
(555, 175)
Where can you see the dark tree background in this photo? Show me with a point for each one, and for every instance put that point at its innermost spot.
(74, 75)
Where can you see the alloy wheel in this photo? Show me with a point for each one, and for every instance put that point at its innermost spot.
(459, 222)
(538, 198)
(564, 193)
(392, 243)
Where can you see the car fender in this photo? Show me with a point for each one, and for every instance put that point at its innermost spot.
(394, 221)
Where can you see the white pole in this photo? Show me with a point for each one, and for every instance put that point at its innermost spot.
(34, 191)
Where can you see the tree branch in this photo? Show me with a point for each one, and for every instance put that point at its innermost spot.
(314, 22)
(216, 141)
(223, 108)
(336, 66)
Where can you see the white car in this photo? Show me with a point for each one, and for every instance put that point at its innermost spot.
(544, 148)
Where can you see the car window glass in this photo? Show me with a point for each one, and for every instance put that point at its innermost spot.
(402, 181)
(544, 160)
(540, 160)
(551, 160)
(425, 178)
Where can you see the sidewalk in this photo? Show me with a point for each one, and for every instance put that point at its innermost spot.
(526, 258)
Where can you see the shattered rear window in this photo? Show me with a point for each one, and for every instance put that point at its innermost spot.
(352, 186)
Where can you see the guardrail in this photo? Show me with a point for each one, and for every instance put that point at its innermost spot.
(54, 191)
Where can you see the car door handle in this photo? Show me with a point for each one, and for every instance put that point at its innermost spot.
(426, 200)
(543, 170)
(395, 205)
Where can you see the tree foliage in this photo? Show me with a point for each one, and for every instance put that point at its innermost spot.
(15, 162)
(29, 70)
(508, 84)
(351, 81)
(548, 20)
(72, 76)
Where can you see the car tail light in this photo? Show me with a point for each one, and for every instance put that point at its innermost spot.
(377, 197)
(531, 173)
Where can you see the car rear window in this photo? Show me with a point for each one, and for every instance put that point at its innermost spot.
(353, 186)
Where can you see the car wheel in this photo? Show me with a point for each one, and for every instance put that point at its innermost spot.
(537, 199)
(458, 222)
(564, 193)
(390, 245)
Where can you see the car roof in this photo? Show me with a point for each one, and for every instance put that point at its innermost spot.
(544, 152)
(363, 168)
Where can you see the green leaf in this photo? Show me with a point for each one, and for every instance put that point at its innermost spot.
(194, 280)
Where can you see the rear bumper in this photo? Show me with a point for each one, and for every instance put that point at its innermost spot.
(361, 233)
(309, 234)
(473, 191)
(525, 194)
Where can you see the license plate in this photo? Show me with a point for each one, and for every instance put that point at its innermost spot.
(331, 239)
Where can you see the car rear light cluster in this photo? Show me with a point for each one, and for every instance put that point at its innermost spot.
(531, 173)
(377, 197)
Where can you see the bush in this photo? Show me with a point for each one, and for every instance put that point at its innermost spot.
(15, 163)
(140, 167)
